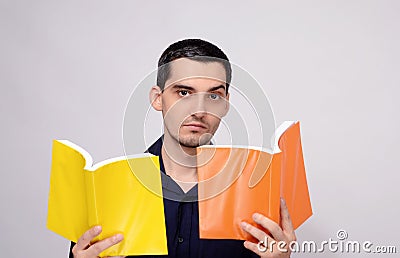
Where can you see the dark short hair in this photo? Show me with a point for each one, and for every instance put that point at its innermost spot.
(194, 49)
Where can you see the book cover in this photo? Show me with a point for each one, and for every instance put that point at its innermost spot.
(114, 193)
(237, 181)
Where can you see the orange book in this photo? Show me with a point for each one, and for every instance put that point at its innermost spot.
(235, 182)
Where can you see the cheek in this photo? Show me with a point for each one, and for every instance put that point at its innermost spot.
(214, 122)
(173, 115)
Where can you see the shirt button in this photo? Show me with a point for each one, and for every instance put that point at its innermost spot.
(180, 239)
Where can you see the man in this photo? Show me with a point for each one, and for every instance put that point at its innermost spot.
(192, 93)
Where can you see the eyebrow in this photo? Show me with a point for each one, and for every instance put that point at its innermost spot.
(181, 86)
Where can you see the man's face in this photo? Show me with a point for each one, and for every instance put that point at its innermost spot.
(194, 101)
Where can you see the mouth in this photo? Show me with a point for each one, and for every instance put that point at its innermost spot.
(195, 126)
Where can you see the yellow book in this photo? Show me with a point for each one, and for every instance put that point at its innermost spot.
(123, 195)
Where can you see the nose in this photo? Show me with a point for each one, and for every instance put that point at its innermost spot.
(200, 105)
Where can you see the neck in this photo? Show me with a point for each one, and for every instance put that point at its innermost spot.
(179, 162)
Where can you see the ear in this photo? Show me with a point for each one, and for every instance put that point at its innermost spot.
(155, 98)
(227, 105)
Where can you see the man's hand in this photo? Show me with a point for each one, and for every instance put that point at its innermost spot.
(84, 249)
(285, 234)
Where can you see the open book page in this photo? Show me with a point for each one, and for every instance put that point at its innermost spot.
(67, 207)
(126, 204)
(236, 182)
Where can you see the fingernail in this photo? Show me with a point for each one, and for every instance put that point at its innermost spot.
(256, 216)
(243, 224)
(282, 200)
(97, 229)
(118, 237)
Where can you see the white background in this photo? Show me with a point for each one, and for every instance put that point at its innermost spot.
(67, 69)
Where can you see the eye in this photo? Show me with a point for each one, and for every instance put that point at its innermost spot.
(183, 93)
(214, 96)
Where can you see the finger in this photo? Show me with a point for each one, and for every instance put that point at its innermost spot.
(255, 249)
(287, 224)
(100, 246)
(269, 225)
(255, 232)
(85, 239)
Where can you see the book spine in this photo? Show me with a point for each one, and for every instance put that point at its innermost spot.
(275, 174)
(91, 198)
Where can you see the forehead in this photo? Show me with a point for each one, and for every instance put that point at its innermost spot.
(194, 72)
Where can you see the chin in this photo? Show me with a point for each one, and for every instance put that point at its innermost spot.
(194, 139)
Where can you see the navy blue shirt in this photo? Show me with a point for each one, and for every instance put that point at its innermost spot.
(182, 222)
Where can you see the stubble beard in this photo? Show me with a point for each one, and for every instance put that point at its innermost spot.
(195, 139)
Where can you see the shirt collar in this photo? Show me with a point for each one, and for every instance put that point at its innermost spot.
(171, 190)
